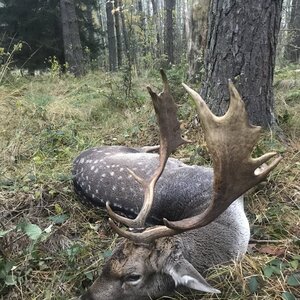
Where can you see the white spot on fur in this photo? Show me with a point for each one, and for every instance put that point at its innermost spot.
(96, 161)
(97, 192)
(96, 171)
(107, 153)
(112, 173)
(103, 175)
(87, 177)
(122, 169)
(82, 160)
(120, 177)
(92, 168)
(114, 188)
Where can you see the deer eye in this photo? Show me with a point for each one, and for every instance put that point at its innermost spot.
(133, 278)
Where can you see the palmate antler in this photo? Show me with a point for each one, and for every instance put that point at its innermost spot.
(230, 140)
(170, 140)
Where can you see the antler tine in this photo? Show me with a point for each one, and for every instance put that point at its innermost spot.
(230, 140)
(170, 139)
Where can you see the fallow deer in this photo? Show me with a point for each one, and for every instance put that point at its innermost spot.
(181, 219)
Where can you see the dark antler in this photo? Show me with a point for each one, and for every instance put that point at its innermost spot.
(170, 139)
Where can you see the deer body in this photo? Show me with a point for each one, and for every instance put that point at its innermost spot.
(185, 218)
(101, 174)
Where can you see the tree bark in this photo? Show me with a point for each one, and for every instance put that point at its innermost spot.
(118, 32)
(241, 46)
(72, 45)
(196, 37)
(292, 49)
(112, 50)
(169, 30)
(142, 24)
(157, 28)
(125, 33)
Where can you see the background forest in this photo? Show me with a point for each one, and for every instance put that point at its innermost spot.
(73, 75)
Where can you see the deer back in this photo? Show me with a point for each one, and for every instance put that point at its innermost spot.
(101, 175)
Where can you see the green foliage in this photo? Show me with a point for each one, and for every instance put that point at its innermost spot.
(37, 25)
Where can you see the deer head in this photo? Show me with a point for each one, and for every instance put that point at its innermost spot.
(151, 261)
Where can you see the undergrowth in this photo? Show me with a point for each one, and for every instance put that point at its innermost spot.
(52, 247)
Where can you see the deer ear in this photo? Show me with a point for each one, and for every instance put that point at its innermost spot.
(183, 273)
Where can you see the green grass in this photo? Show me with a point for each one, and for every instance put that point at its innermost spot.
(56, 246)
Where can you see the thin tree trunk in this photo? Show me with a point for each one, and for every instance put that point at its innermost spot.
(118, 32)
(112, 51)
(196, 37)
(169, 30)
(72, 45)
(142, 25)
(292, 49)
(157, 28)
(241, 46)
(125, 33)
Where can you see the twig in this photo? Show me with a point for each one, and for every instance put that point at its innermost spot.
(267, 241)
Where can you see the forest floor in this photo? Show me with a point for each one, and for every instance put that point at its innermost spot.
(52, 247)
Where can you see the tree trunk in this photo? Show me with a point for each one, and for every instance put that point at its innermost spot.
(196, 37)
(125, 33)
(142, 24)
(157, 28)
(112, 51)
(241, 46)
(118, 32)
(292, 49)
(72, 45)
(169, 30)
